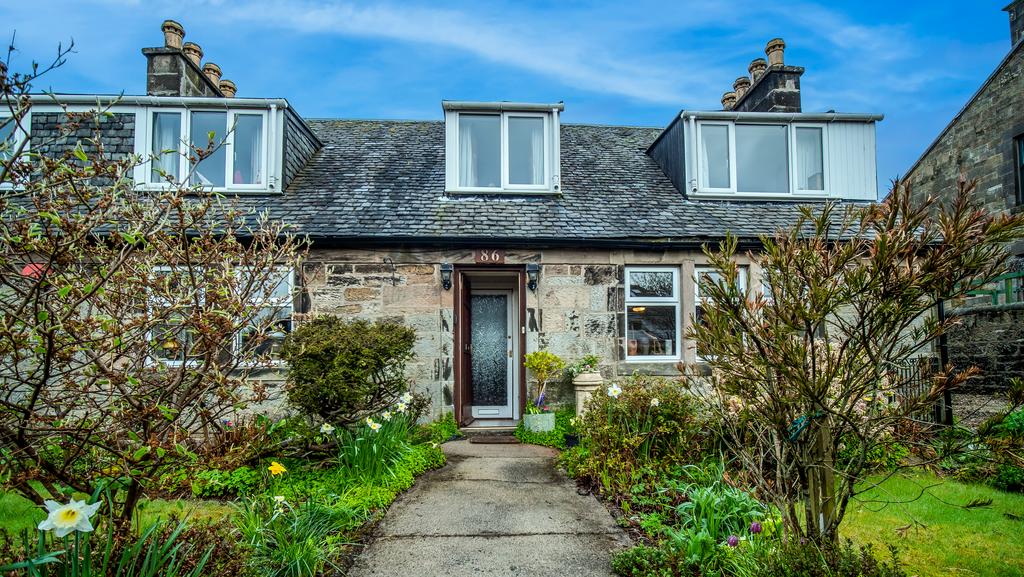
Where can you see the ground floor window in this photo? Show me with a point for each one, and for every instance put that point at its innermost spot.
(702, 275)
(652, 313)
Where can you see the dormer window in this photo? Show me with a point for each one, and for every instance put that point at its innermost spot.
(241, 158)
(761, 158)
(501, 147)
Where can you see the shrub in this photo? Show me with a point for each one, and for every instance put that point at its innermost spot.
(342, 370)
(643, 561)
(544, 366)
(651, 427)
(843, 559)
(1009, 478)
(441, 430)
(218, 483)
(885, 455)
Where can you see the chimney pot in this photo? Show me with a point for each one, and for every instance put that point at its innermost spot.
(227, 88)
(173, 34)
(775, 48)
(212, 71)
(193, 51)
(740, 86)
(757, 68)
(728, 100)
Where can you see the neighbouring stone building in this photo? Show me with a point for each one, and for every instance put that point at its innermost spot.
(985, 142)
(498, 230)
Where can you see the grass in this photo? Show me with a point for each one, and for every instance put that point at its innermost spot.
(19, 513)
(939, 535)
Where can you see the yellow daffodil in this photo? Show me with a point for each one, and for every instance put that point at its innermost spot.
(64, 519)
(276, 468)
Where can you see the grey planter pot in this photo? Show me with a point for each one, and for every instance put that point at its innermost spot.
(540, 423)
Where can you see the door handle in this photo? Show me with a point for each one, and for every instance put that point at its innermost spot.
(467, 348)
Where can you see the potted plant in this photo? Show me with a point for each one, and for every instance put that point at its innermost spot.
(586, 378)
(544, 366)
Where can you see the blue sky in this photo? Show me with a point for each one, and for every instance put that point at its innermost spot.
(633, 63)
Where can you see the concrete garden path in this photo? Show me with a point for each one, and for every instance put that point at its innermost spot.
(493, 510)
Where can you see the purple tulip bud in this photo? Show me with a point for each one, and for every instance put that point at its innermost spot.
(755, 527)
(540, 400)
(733, 540)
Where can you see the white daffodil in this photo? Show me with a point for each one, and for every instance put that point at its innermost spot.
(402, 407)
(64, 519)
(655, 402)
(326, 428)
(386, 415)
(406, 398)
(374, 426)
(279, 499)
(614, 391)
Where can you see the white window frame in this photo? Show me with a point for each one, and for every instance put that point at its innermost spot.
(699, 300)
(698, 162)
(281, 303)
(228, 144)
(21, 134)
(674, 300)
(732, 157)
(551, 153)
(824, 159)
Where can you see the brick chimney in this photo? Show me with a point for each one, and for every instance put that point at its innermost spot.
(774, 86)
(1016, 11)
(174, 68)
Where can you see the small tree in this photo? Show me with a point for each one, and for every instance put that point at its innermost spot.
(801, 370)
(342, 370)
(129, 320)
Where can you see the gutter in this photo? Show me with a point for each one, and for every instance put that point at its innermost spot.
(321, 241)
(501, 106)
(782, 116)
(183, 101)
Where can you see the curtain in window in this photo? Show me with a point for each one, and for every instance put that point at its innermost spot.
(537, 154)
(810, 172)
(467, 155)
(166, 137)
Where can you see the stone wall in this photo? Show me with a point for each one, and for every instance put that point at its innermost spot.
(577, 309)
(992, 339)
(979, 142)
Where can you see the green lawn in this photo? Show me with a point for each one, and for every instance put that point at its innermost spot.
(944, 537)
(20, 513)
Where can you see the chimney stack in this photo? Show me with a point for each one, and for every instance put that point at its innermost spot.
(1016, 11)
(728, 100)
(227, 88)
(772, 85)
(174, 68)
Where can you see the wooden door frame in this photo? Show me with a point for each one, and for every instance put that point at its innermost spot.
(457, 281)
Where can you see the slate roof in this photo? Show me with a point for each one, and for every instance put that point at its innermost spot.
(383, 182)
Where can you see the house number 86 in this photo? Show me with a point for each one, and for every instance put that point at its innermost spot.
(489, 256)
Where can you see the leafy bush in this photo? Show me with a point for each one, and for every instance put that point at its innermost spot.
(643, 561)
(544, 366)
(841, 560)
(218, 483)
(885, 455)
(648, 428)
(342, 370)
(441, 430)
(1013, 424)
(1009, 478)
(554, 438)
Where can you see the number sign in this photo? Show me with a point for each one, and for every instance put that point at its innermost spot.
(489, 256)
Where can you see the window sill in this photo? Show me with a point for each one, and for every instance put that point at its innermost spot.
(500, 192)
(714, 195)
(150, 187)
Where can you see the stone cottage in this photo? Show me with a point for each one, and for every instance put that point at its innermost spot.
(498, 229)
(985, 142)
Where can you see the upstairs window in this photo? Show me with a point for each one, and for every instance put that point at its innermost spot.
(239, 157)
(1018, 145)
(758, 158)
(501, 151)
